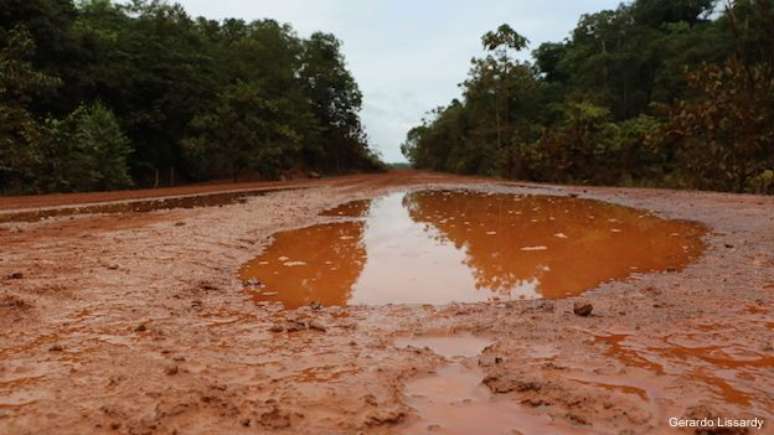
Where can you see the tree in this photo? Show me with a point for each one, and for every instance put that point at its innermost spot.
(20, 83)
(653, 92)
(85, 151)
(655, 13)
(335, 100)
(244, 131)
(172, 83)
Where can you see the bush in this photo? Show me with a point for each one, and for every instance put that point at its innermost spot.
(85, 151)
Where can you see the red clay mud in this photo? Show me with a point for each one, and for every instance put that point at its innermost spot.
(138, 323)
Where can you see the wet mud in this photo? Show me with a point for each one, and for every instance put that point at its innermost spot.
(140, 324)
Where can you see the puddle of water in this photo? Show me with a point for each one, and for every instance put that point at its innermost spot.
(733, 378)
(450, 347)
(138, 206)
(351, 209)
(453, 400)
(437, 247)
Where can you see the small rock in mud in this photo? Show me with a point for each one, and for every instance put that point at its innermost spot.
(15, 275)
(141, 328)
(171, 370)
(277, 328)
(317, 326)
(113, 267)
(207, 286)
(582, 309)
(316, 306)
(179, 224)
(56, 348)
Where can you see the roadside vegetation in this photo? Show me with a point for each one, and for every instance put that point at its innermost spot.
(676, 93)
(98, 95)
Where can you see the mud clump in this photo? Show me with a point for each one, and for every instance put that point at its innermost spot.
(206, 286)
(582, 309)
(385, 417)
(504, 383)
(14, 275)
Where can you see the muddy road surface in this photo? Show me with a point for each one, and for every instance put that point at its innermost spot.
(140, 320)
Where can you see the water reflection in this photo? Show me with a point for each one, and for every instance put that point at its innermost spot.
(317, 264)
(443, 246)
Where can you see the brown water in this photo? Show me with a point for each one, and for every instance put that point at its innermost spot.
(732, 373)
(453, 400)
(437, 247)
(465, 345)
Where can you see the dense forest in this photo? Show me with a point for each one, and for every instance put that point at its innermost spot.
(676, 93)
(102, 95)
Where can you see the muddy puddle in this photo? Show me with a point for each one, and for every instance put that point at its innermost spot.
(732, 374)
(437, 247)
(138, 206)
(453, 399)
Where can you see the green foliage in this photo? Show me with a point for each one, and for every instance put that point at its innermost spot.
(654, 92)
(85, 151)
(724, 136)
(504, 38)
(20, 82)
(244, 131)
(174, 85)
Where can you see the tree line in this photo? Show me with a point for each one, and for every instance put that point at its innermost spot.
(676, 93)
(102, 95)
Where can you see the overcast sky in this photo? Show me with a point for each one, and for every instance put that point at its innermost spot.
(408, 55)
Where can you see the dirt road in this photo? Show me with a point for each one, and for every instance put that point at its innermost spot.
(136, 322)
